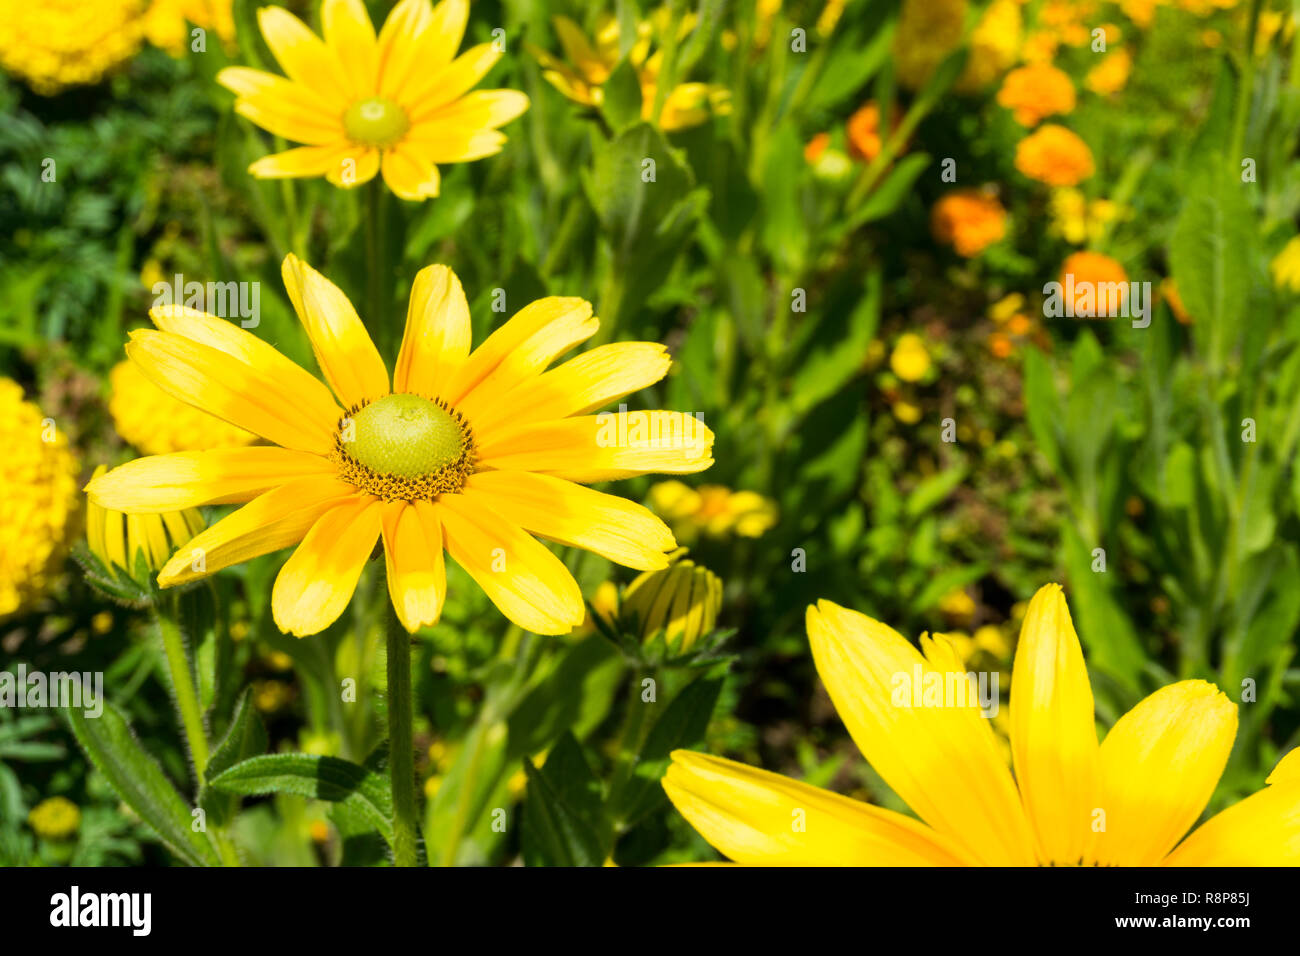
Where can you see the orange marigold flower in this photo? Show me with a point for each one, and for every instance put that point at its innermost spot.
(816, 146)
(1036, 91)
(969, 220)
(1111, 74)
(1096, 277)
(863, 127)
(1054, 155)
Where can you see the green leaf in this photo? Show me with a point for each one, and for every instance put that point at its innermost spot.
(245, 738)
(622, 97)
(562, 813)
(889, 195)
(316, 777)
(139, 781)
(933, 490)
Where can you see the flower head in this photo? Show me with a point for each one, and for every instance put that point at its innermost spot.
(1054, 155)
(155, 423)
(910, 359)
(970, 220)
(471, 452)
(38, 473)
(55, 818)
(588, 63)
(994, 46)
(713, 510)
(399, 103)
(1036, 91)
(681, 601)
(1065, 800)
(1111, 74)
(1099, 278)
(55, 44)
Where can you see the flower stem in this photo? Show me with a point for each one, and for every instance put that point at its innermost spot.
(376, 318)
(187, 698)
(401, 748)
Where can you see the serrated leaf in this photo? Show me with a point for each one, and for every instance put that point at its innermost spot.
(139, 781)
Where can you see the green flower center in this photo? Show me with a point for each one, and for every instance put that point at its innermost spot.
(406, 435)
(375, 122)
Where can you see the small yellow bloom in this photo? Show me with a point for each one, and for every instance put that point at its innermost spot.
(1054, 155)
(101, 623)
(910, 360)
(1079, 220)
(970, 220)
(55, 818)
(270, 696)
(38, 473)
(399, 103)
(590, 63)
(906, 412)
(682, 602)
(957, 604)
(1286, 266)
(713, 510)
(994, 46)
(1111, 74)
(1036, 91)
(1006, 307)
(928, 30)
(168, 23)
(119, 539)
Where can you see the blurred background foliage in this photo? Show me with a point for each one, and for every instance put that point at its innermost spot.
(847, 259)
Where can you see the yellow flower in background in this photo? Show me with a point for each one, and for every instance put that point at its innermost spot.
(970, 220)
(1036, 91)
(994, 46)
(958, 605)
(1152, 775)
(1054, 155)
(827, 20)
(54, 44)
(1286, 266)
(467, 452)
(38, 473)
(55, 818)
(155, 423)
(167, 23)
(591, 61)
(1111, 74)
(928, 30)
(117, 539)
(910, 360)
(1141, 12)
(1078, 219)
(399, 104)
(713, 510)
(906, 412)
(682, 601)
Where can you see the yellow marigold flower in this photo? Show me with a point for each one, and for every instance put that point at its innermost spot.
(957, 604)
(167, 23)
(38, 473)
(992, 641)
(55, 818)
(116, 538)
(1111, 74)
(1036, 91)
(590, 62)
(1079, 220)
(399, 103)
(714, 510)
(1054, 155)
(1169, 290)
(1152, 775)
(54, 44)
(1141, 12)
(1100, 277)
(155, 423)
(682, 601)
(906, 412)
(910, 360)
(970, 220)
(994, 46)
(1040, 46)
(461, 451)
(1286, 266)
(928, 30)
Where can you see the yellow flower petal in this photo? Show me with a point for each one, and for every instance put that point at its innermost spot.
(479, 110)
(300, 162)
(275, 115)
(752, 816)
(570, 514)
(343, 348)
(317, 581)
(400, 44)
(409, 175)
(603, 447)
(353, 166)
(268, 523)
(517, 330)
(941, 760)
(440, 144)
(579, 51)
(163, 483)
(439, 43)
(1159, 765)
(302, 55)
(251, 397)
(583, 384)
(528, 583)
(437, 337)
(1262, 830)
(417, 579)
(439, 87)
(248, 83)
(1053, 729)
(350, 34)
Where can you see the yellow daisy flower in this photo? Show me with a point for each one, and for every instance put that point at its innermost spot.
(459, 450)
(590, 64)
(1066, 800)
(397, 103)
